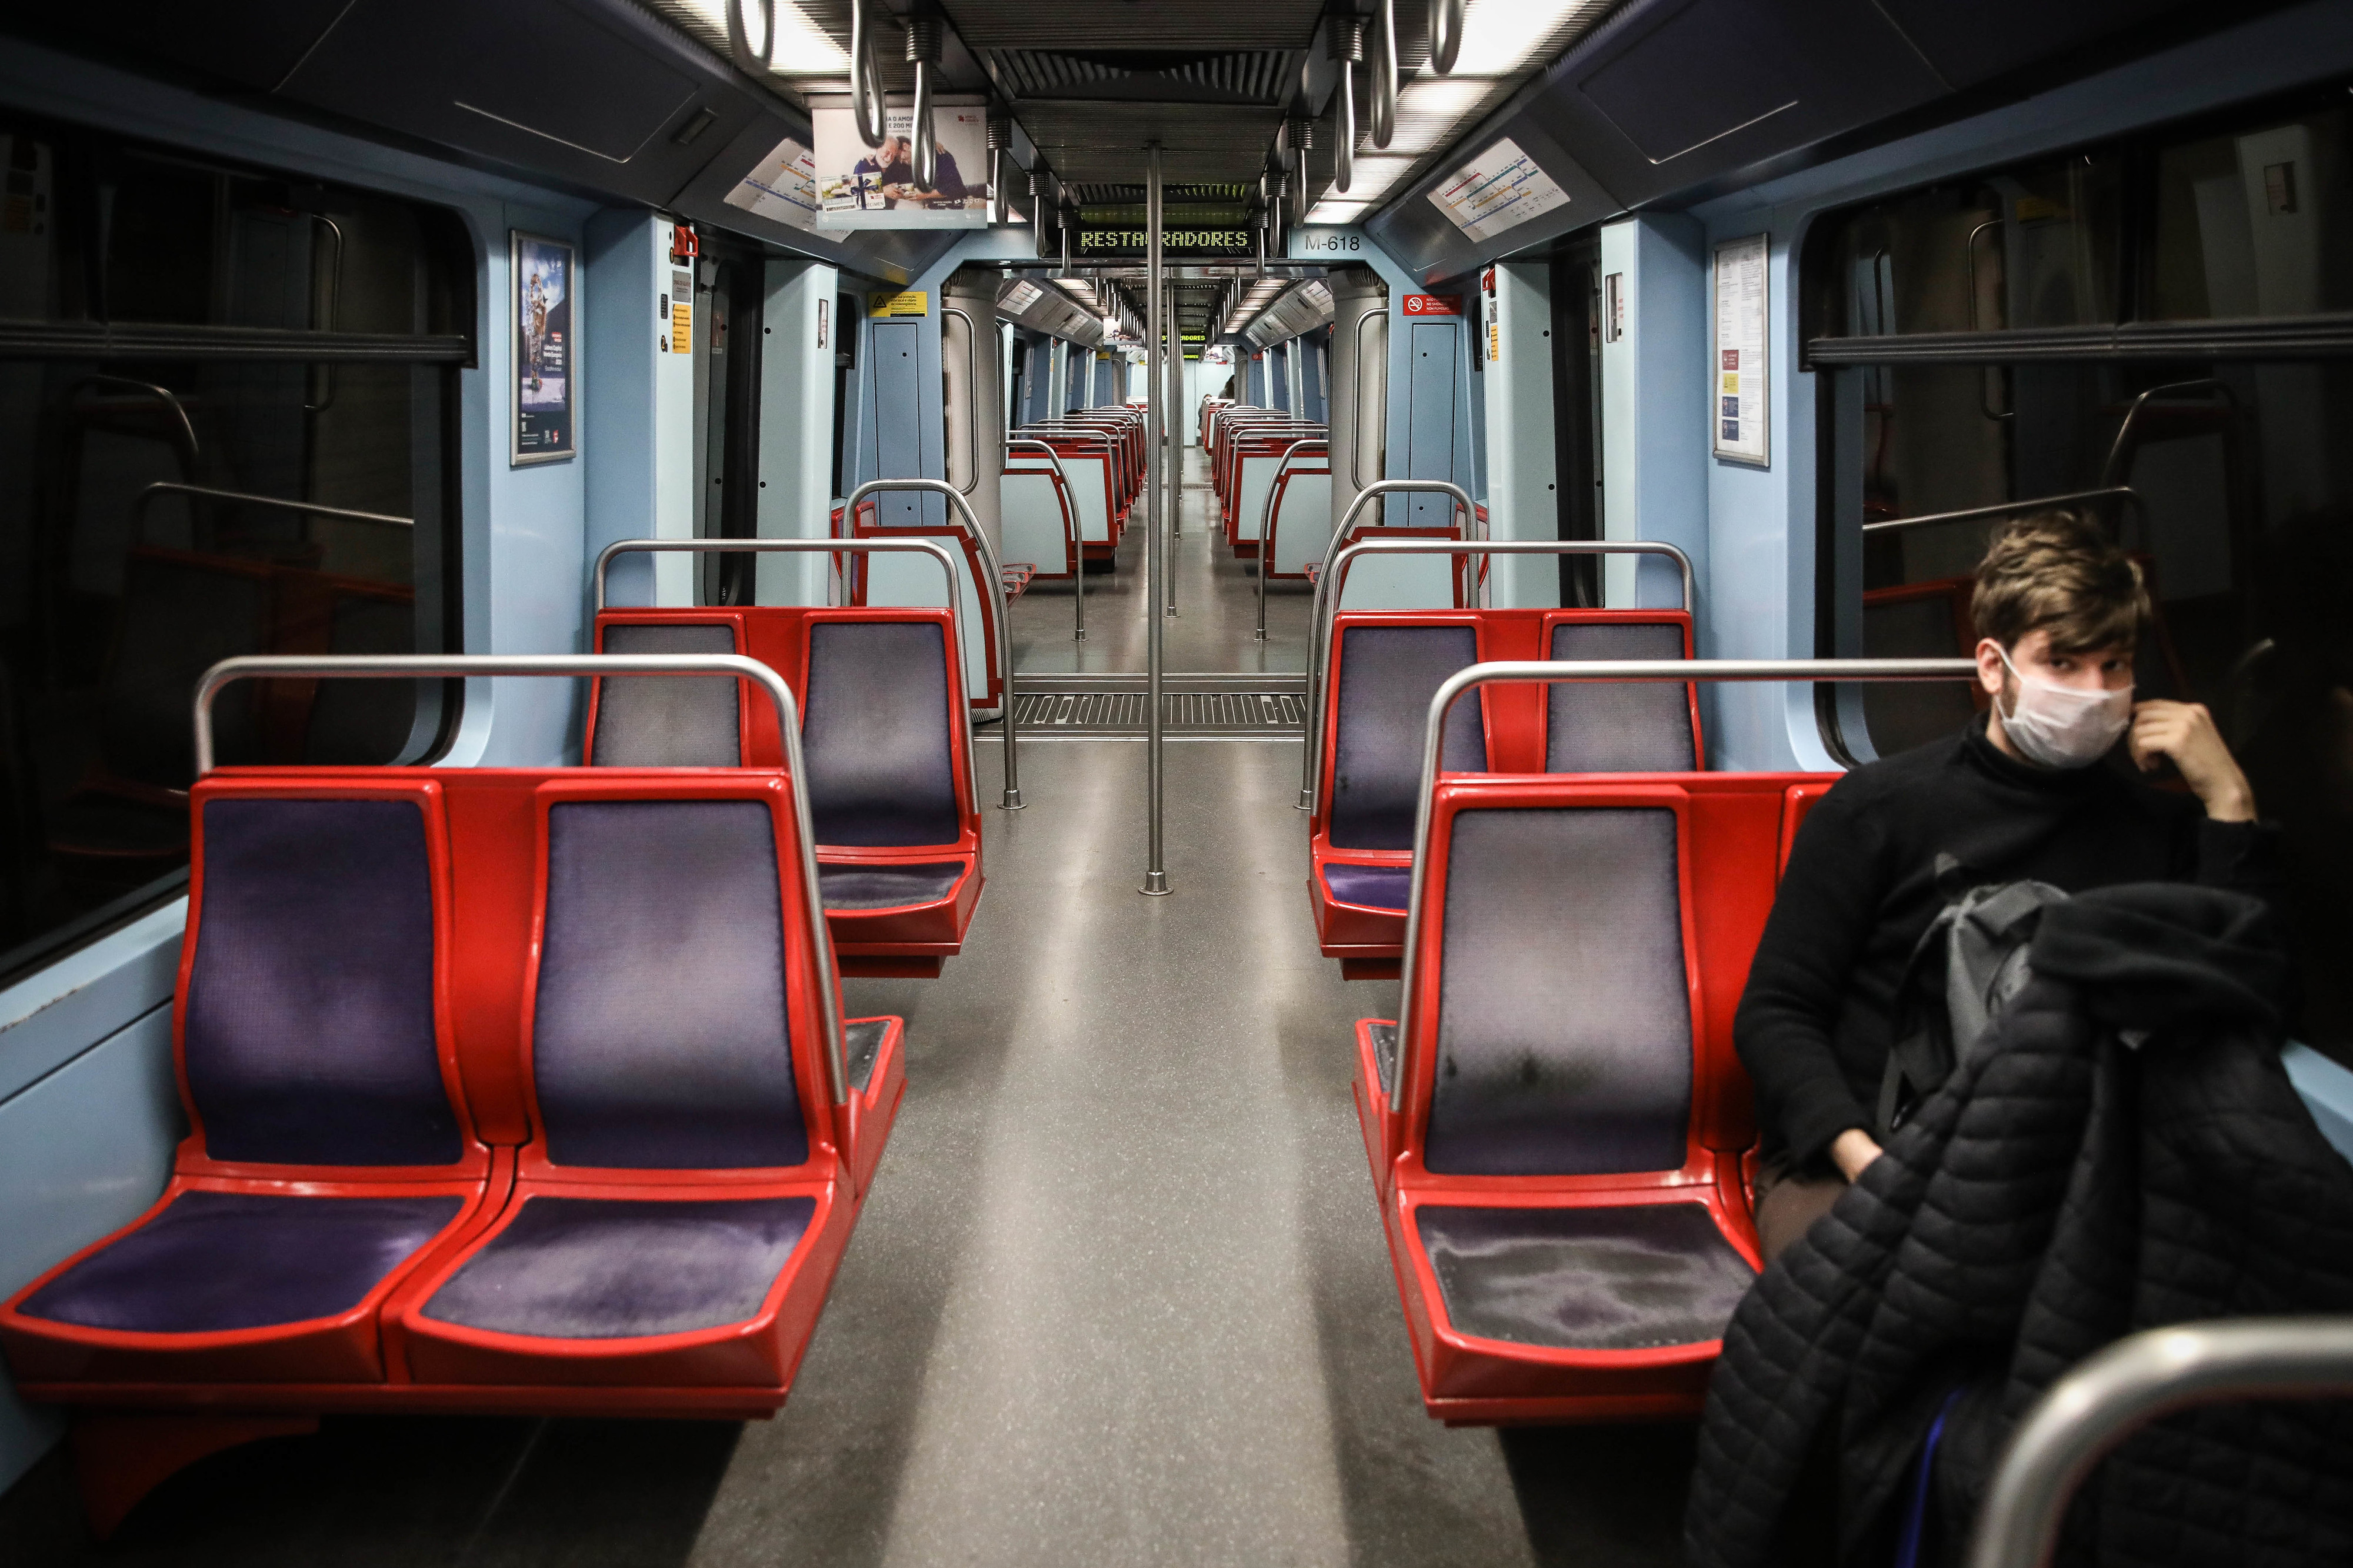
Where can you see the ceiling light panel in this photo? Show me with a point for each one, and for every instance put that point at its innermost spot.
(1501, 36)
(803, 48)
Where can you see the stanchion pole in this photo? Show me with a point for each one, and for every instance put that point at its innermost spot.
(1155, 561)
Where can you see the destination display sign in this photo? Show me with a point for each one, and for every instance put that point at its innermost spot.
(1120, 232)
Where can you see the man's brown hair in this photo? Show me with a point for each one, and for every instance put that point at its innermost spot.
(2057, 572)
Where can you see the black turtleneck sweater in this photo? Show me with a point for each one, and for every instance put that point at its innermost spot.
(1815, 1020)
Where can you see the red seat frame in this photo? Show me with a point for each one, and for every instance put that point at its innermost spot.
(485, 836)
(912, 940)
(1729, 834)
(1369, 941)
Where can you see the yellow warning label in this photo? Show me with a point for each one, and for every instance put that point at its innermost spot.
(681, 328)
(911, 302)
(1731, 383)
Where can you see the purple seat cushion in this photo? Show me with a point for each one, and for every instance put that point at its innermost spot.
(1639, 1278)
(659, 1039)
(668, 721)
(217, 1261)
(1387, 676)
(877, 736)
(1618, 726)
(310, 1037)
(1564, 1020)
(1374, 886)
(609, 1268)
(887, 887)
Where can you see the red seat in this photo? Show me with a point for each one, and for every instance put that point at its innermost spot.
(687, 1190)
(414, 1006)
(1360, 836)
(887, 746)
(1565, 1193)
(330, 1148)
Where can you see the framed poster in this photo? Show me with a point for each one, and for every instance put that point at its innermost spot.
(1737, 396)
(546, 288)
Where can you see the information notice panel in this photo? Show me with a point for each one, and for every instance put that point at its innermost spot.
(1738, 394)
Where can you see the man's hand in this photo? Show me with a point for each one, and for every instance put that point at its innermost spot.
(1851, 1151)
(2185, 732)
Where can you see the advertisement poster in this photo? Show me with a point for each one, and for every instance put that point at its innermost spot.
(782, 188)
(860, 187)
(1737, 405)
(544, 293)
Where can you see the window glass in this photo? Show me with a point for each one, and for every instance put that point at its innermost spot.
(2035, 247)
(145, 525)
(2255, 222)
(2226, 479)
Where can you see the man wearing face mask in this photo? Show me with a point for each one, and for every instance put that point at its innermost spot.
(2026, 792)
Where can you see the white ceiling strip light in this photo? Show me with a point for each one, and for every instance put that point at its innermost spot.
(1503, 41)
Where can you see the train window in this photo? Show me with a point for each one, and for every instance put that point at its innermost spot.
(227, 405)
(2210, 448)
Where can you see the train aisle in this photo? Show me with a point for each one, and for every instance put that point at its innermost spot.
(1119, 1296)
(1217, 605)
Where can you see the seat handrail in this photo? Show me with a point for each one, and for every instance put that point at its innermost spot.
(1070, 534)
(1323, 614)
(1266, 517)
(1551, 671)
(2124, 1386)
(1012, 800)
(931, 548)
(416, 666)
(2125, 493)
(174, 488)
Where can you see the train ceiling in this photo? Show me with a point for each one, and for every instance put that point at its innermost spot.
(1626, 104)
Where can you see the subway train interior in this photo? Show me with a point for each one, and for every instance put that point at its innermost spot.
(1182, 641)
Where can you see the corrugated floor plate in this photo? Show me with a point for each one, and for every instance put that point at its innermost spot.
(1183, 712)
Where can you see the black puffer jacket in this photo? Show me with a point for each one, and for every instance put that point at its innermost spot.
(2064, 1188)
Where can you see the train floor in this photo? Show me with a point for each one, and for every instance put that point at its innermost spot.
(1119, 1295)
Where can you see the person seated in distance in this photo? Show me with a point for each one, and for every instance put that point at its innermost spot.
(2027, 791)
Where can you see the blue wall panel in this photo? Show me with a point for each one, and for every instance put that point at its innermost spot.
(84, 1150)
(1433, 351)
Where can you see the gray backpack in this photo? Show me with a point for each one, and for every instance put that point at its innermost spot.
(1968, 965)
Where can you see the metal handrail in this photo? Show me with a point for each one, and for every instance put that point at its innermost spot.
(739, 39)
(1445, 34)
(174, 488)
(1462, 501)
(1549, 671)
(1070, 530)
(866, 108)
(2110, 471)
(2127, 1386)
(1381, 313)
(1326, 608)
(1266, 518)
(170, 399)
(412, 667)
(1012, 800)
(1383, 66)
(931, 547)
(970, 402)
(2011, 508)
(334, 312)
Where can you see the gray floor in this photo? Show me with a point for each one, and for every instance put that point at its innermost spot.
(1119, 1294)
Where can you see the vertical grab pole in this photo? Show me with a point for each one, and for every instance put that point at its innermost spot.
(1171, 434)
(1156, 561)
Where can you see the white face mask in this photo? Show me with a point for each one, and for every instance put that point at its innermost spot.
(2061, 727)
